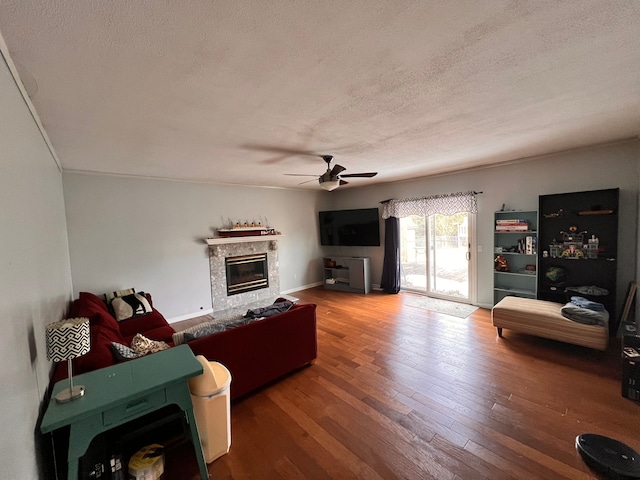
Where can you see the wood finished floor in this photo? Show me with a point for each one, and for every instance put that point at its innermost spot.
(402, 392)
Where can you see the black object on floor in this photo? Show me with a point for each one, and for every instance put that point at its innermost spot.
(608, 456)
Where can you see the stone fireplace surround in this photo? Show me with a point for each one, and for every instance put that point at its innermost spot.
(219, 250)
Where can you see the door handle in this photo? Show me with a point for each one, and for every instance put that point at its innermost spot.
(468, 255)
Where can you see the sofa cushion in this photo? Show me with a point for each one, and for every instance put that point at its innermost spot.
(143, 324)
(94, 299)
(163, 334)
(95, 311)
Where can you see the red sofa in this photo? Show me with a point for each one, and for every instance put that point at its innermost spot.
(255, 354)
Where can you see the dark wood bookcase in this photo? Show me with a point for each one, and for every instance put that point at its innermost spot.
(568, 255)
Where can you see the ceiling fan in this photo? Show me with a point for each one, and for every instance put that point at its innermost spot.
(333, 177)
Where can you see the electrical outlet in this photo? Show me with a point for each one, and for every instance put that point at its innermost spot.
(479, 248)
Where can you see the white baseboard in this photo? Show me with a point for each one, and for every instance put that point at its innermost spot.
(188, 316)
(303, 287)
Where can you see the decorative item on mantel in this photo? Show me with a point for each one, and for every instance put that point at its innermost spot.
(244, 230)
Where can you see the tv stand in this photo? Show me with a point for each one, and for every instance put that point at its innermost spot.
(348, 274)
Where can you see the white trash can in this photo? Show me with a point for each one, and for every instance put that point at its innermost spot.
(211, 407)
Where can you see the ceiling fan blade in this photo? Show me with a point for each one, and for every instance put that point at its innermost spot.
(281, 153)
(312, 180)
(343, 182)
(275, 149)
(276, 159)
(299, 175)
(337, 169)
(361, 175)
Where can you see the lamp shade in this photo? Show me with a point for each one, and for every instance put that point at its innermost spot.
(67, 339)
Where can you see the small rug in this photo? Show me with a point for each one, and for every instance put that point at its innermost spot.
(455, 309)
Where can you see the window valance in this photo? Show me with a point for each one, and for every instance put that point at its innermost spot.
(445, 204)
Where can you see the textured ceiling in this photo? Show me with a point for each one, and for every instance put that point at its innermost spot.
(237, 91)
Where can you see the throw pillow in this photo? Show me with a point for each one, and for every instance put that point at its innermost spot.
(143, 345)
(128, 306)
(122, 353)
(109, 296)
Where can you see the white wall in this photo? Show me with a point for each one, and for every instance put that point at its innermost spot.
(149, 235)
(518, 185)
(35, 278)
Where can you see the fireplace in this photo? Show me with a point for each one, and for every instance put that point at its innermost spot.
(246, 273)
(220, 250)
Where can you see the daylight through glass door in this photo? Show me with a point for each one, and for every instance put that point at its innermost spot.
(435, 254)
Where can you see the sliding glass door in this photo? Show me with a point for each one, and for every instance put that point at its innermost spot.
(413, 253)
(436, 255)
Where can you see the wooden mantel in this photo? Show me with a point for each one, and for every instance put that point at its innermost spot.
(252, 238)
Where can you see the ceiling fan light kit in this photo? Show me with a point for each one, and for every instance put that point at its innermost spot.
(329, 185)
(331, 179)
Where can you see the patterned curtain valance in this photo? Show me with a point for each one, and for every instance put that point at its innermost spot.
(446, 204)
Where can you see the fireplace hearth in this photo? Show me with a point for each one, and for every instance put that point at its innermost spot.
(246, 273)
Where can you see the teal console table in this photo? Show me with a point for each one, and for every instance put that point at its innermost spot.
(118, 394)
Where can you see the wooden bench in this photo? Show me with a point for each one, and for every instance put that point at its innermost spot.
(544, 319)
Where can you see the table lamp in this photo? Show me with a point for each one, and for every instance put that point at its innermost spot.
(68, 339)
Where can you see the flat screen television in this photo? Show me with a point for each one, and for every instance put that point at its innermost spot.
(350, 228)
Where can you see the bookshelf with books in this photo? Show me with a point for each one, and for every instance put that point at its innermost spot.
(515, 241)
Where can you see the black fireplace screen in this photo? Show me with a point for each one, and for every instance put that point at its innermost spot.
(246, 273)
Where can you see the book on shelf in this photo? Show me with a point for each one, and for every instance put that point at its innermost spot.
(506, 221)
(515, 227)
